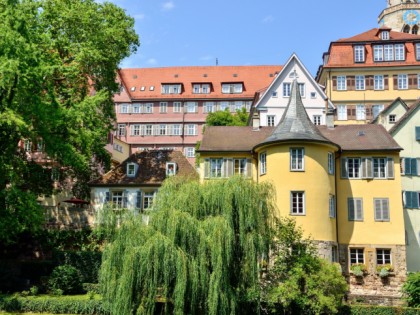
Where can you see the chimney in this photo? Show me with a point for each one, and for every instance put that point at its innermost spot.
(329, 115)
(255, 121)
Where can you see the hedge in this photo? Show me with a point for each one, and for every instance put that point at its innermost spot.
(377, 310)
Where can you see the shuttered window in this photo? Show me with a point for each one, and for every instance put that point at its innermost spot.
(417, 133)
(381, 206)
(411, 199)
(381, 167)
(355, 209)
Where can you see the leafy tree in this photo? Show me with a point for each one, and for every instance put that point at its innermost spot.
(299, 282)
(411, 289)
(58, 61)
(200, 253)
(226, 118)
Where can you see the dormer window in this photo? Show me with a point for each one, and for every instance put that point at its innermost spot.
(170, 169)
(131, 169)
(385, 35)
(201, 88)
(359, 53)
(171, 88)
(232, 88)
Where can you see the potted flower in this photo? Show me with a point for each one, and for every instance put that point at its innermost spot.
(358, 270)
(384, 270)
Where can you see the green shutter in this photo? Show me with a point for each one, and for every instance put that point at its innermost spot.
(414, 167)
(407, 166)
(390, 166)
(418, 133)
(414, 200)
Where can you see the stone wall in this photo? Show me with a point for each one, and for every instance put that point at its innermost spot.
(62, 217)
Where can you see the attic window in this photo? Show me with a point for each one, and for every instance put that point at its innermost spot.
(142, 88)
(360, 133)
(385, 35)
(152, 88)
(235, 75)
(135, 76)
(131, 169)
(175, 76)
(205, 75)
(170, 169)
(133, 89)
(271, 75)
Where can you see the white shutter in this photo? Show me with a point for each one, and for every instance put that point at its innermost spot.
(390, 167)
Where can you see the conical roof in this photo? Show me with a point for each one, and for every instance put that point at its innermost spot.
(295, 123)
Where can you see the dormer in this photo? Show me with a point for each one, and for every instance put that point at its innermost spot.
(384, 33)
(171, 88)
(232, 87)
(201, 88)
(131, 169)
(170, 168)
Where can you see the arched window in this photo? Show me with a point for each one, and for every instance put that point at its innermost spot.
(406, 29)
(415, 29)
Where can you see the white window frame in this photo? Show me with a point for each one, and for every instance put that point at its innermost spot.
(399, 52)
(271, 120)
(121, 130)
(131, 169)
(189, 152)
(381, 209)
(240, 167)
(383, 256)
(360, 82)
(379, 82)
(209, 107)
(376, 112)
(177, 107)
(27, 145)
(389, 52)
(359, 53)
(136, 108)
(117, 199)
(360, 112)
(162, 131)
(331, 163)
(170, 168)
(385, 35)
(216, 168)
(379, 167)
(354, 167)
(148, 108)
(148, 130)
(302, 89)
(176, 130)
(297, 203)
(341, 83)
(342, 112)
(297, 159)
(191, 107)
(163, 107)
(135, 130)
(357, 256)
(392, 118)
(331, 206)
(378, 53)
(191, 130)
(317, 119)
(263, 163)
(355, 207)
(148, 198)
(124, 108)
(286, 89)
(232, 88)
(402, 81)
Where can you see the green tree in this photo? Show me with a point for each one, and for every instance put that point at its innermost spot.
(200, 252)
(226, 118)
(58, 62)
(411, 289)
(299, 282)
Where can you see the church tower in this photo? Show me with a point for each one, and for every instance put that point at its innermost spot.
(401, 16)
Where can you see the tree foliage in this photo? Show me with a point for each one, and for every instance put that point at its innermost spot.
(53, 55)
(411, 289)
(299, 282)
(226, 118)
(200, 253)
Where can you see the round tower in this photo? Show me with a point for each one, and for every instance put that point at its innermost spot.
(401, 16)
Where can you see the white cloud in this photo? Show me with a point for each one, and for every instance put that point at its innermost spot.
(268, 19)
(139, 16)
(167, 6)
(152, 61)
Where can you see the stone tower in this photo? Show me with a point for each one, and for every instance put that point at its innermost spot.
(401, 16)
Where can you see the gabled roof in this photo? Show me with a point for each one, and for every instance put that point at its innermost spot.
(388, 108)
(373, 35)
(295, 123)
(411, 112)
(253, 78)
(293, 59)
(361, 137)
(151, 169)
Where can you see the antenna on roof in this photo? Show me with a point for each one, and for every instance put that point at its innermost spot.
(217, 61)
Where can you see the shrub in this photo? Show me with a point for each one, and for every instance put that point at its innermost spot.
(411, 289)
(34, 290)
(93, 287)
(358, 269)
(65, 278)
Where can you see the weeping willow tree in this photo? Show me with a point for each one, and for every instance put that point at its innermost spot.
(199, 254)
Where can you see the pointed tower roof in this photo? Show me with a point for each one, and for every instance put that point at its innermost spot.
(295, 123)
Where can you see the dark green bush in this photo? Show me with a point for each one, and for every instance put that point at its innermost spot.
(65, 278)
(377, 310)
(411, 289)
(91, 287)
(87, 262)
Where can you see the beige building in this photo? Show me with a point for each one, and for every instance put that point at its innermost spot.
(401, 16)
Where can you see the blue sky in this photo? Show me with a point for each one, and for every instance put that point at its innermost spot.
(246, 32)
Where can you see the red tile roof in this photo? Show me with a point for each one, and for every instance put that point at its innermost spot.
(254, 78)
(373, 35)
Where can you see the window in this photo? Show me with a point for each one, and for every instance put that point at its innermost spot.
(177, 107)
(297, 203)
(131, 169)
(411, 199)
(383, 256)
(271, 120)
(136, 108)
(121, 130)
(402, 82)
(376, 109)
(359, 53)
(191, 107)
(331, 163)
(27, 146)
(313, 95)
(317, 119)
(378, 82)
(263, 163)
(360, 112)
(355, 209)
(357, 256)
(274, 94)
(388, 52)
(191, 130)
(224, 105)
(353, 167)
(385, 35)
(162, 130)
(332, 206)
(148, 200)
(201, 88)
(232, 88)
(124, 108)
(381, 206)
(190, 152)
(417, 133)
(176, 130)
(171, 88)
(239, 105)
(418, 51)
(392, 119)
(297, 159)
(360, 82)
(209, 107)
(205, 88)
(118, 200)
(286, 89)
(240, 166)
(148, 108)
(148, 130)
(399, 52)
(163, 107)
(301, 87)
(410, 166)
(118, 147)
(40, 145)
(170, 169)
(379, 167)
(216, 168)
(378, 53)
(342, 112)
(135, 130)
(341, 83)
(334, 254)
